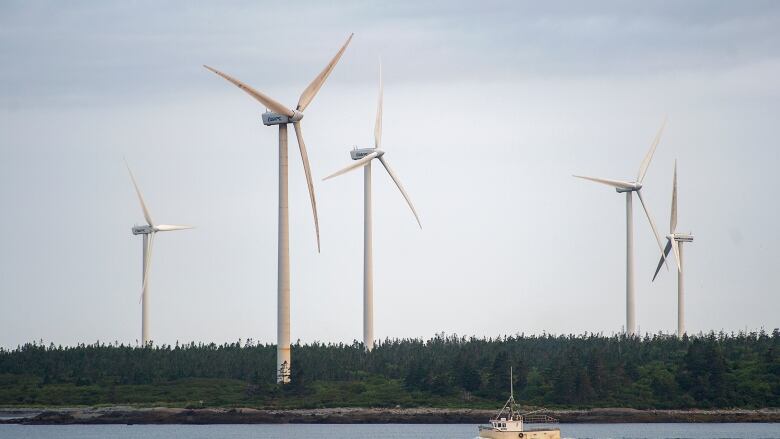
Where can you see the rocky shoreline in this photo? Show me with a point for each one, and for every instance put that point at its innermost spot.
(164, 415)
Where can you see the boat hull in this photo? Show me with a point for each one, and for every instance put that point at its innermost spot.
(531, 434)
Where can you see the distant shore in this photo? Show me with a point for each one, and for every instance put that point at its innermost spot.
(163, 415)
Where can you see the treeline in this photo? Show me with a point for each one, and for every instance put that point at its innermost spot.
(591, 370)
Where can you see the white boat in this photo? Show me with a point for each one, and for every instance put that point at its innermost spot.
(508, 423)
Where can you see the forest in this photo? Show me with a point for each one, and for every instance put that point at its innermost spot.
(713, 370)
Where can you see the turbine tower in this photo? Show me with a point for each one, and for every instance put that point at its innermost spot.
(629, 187)
(363, 157)
(148, 231)
(674, 242)
(282, 115)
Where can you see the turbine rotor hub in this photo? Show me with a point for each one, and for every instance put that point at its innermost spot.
(297, 115)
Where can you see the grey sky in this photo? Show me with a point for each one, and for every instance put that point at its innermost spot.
(489, 109)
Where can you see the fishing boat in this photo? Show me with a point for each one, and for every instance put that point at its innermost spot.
(508, 423)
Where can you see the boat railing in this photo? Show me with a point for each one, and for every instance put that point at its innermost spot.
(539, 418)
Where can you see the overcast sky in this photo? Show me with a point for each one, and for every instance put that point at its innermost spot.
(490, 107)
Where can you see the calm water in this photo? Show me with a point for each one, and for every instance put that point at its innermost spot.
(579, 431)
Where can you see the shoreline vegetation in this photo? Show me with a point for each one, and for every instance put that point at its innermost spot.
(356, 415)
(578, 378)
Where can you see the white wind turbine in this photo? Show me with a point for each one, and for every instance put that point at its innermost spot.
(148, 231)
(363, 157)
(281, 115)
(628, 187)
(674, 242)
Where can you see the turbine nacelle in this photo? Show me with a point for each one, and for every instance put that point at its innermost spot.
(682, 237)
(630, 187)
(143, 230)
(271, 118)
(359, 153)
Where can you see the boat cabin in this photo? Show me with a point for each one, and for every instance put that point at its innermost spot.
(504, 424)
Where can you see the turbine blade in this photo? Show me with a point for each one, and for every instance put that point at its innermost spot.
(676, 248)
(354, 165)
(147, 216)
(400, 188)
(316, 84)
(649, 157)
(147, 265)
(264, 99)
(652, 224)
(673, 220)
(309, 183)
(613, 183)
(378, 124)
(667, 249)
(170, 228)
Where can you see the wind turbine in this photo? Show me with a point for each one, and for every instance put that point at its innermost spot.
(363, 157)
(674, 242)
(281, 115)
(629, 187)
(148, 231)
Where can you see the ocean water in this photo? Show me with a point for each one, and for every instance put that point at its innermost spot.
(381, 431)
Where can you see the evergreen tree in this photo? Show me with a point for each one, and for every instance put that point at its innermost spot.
(706, 370)
(498, 382)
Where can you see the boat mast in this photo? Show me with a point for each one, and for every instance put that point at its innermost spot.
(511, 395)
(510, 403)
